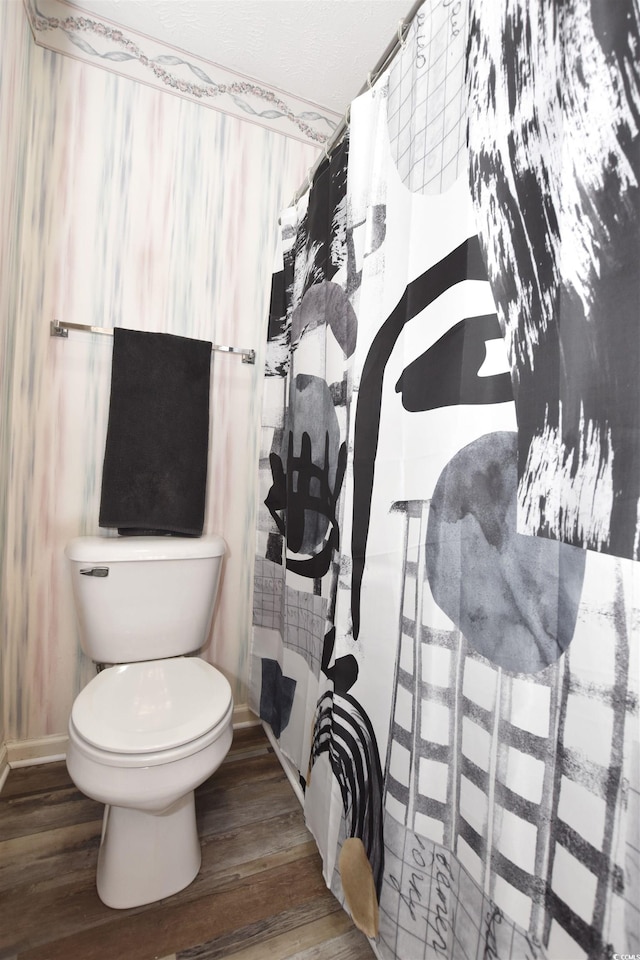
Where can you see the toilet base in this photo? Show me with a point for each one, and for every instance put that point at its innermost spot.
(147, 856)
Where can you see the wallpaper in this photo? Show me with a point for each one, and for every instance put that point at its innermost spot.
(121, 205)
(59, 26)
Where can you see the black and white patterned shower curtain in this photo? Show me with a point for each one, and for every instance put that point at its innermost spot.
(447, 593)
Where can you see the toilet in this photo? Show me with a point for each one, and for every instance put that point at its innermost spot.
(156, 721)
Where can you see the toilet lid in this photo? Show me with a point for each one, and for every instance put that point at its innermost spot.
(151, 705)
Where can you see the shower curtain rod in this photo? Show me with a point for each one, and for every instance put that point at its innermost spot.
(59, 328)
(386, 58)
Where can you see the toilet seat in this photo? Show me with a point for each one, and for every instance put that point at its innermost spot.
(131, 760)
(151, 712)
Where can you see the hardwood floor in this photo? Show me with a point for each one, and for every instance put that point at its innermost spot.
(259, 895)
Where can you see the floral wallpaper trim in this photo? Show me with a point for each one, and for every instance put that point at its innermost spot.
(216, 87)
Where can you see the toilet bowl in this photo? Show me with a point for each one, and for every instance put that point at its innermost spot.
(143, 758)
(157, 722)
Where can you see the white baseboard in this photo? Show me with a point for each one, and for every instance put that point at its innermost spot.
(243, 716)
(4, 765)
(289, 769)
(25, 753)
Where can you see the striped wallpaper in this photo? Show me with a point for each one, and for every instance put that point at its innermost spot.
(120, 204)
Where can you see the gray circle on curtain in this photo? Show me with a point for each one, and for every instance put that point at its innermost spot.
(515, 598)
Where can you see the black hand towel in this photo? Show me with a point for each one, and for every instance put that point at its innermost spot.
(155, 463)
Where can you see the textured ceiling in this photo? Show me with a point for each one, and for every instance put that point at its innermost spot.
(320, 50)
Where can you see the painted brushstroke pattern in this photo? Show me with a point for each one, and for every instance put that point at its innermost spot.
(130, 207)
(555, 176)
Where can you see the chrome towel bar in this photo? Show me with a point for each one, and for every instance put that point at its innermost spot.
(59, 328)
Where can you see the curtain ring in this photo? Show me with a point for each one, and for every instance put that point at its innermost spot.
(400, 36)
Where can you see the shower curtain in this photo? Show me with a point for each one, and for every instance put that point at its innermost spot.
(447, 592)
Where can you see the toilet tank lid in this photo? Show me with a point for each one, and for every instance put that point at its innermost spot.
(113, 549)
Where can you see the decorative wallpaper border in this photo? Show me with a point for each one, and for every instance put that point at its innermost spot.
(60, 27)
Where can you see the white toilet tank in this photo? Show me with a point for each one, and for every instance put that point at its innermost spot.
(144, 598)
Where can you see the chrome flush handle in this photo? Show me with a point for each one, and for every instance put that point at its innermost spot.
(95, 572)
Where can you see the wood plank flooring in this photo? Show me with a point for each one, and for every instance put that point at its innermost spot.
(260, 894)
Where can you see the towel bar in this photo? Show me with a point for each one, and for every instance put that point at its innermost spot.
(59, 328)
